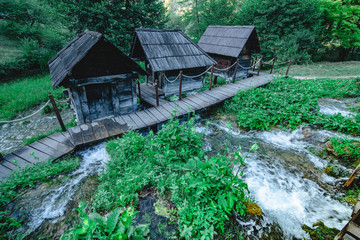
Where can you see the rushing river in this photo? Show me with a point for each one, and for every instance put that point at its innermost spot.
(285, 177)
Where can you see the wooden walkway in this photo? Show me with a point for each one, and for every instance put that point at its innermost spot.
(60, 144)
(148, 95)
(351, 231)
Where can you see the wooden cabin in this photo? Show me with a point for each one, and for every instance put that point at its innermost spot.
(100, 78)
(227, 44)
(166, 52)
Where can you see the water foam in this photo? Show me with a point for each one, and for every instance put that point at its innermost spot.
(54, 203)
(289, 199)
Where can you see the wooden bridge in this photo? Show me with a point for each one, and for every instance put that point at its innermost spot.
(351, 231)
(61, 144)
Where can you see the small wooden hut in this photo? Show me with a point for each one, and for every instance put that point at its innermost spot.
(101, 79)
(166, 52)
(227, 44)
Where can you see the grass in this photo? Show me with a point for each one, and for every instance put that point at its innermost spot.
(20, 95)
(10, 49)
(24, 178)
(321, 69)
(289, 103)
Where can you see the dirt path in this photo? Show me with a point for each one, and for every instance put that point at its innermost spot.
(321, 77)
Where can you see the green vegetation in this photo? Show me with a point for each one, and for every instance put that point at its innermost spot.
(311, 30)
(289, 103)
(321, 69)
(320, 231)
(24, 93)
(23, 178)
(288, 28)
(345, 149)
(205, 190)
(115, 225)
(352, 195)
(37, 28)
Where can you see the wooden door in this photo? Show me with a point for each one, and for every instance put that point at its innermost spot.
(99, 98)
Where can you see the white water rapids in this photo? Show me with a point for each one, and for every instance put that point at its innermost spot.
(278, 178)
(51, 204)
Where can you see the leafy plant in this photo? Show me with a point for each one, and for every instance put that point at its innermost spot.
(114, 225)
(205, 190)
(290, 102)
(347, 149)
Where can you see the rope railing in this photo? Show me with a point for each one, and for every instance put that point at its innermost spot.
(66, 101)
(170, 81)
(198, 74)
(224, 69)
(29, 116)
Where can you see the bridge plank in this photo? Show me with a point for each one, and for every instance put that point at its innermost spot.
(99, 130)
(76, 135)
(63, 138)
(114, 128)
(61, 148)
(31, 155)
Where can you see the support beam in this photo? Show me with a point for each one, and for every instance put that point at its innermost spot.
(138, 81)
(157, 92)
(259, 68)
(236, 67)
(287, 71)
(272, 66)
(52, 100)
(211, 76)
(180, 84)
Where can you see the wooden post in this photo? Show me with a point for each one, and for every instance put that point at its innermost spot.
(272, 66)
(215, 80)
(157, 91)
(180, 84)
(211, 76)
(57, 112)
(138, 80)
(287, 71)
(261, 59)
(236, 66)
(254, 63)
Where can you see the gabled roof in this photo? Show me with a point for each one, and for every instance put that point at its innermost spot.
(66, 59)
(168, 49)
(229, 40)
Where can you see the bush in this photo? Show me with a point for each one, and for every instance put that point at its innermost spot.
(205, 190)
(290, 102)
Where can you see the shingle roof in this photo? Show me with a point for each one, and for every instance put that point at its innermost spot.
(229, 40)
(66, 59)
(169, 49)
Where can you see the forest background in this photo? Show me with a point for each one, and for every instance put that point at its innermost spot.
(32, 31)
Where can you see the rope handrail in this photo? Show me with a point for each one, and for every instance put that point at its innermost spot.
(171, 81)
(62, 101)
(269, 62)
(29, 116)
(198, 74)
(224, 69)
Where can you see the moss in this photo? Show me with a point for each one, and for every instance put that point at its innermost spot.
(320, 231)
(253, 209)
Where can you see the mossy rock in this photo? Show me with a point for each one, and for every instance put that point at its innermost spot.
(252, 209)
(320, 231)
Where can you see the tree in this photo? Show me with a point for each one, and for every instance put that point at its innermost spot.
(116, 19)
(286, 28)
(341, 27)
(199, 14)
